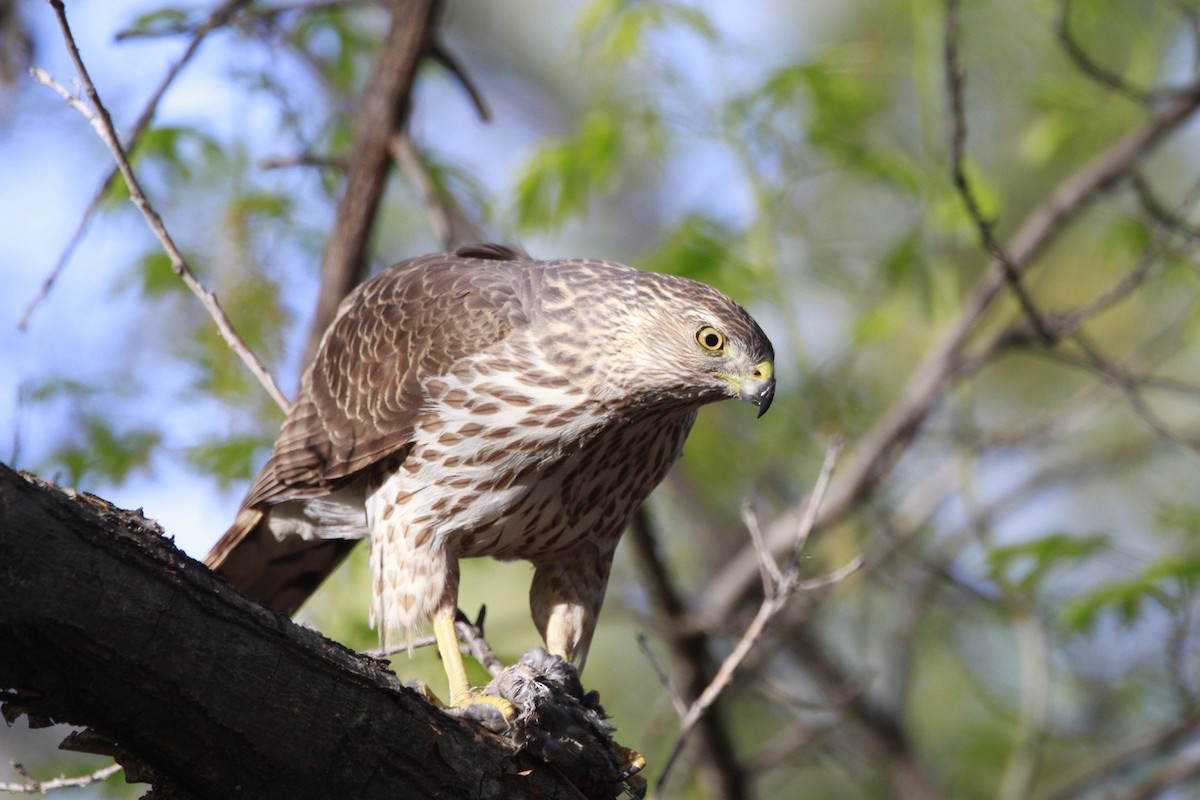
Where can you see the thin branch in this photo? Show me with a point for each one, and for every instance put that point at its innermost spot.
(215, 20)
(777, 596)
(471, 633)
(100, 120)
(693, 661)
(1171, 220)
(663, 677)
(955, 87)
(1088, 65)
(768, 569)
(1182, 769)
(1100, 770)
(453, 228)
(31, 785)
(383, 110)
(1021, 768)
(439, 53)
(877, 451)
(302, 160)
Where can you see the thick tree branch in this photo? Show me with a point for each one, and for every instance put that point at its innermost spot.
(105, 623)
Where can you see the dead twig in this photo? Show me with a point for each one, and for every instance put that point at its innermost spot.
(453, 227)
(215, 20)
(777, 593)
(31, 785)
(98, 116)
(955, 89)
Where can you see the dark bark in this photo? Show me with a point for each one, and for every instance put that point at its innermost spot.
(104, 623)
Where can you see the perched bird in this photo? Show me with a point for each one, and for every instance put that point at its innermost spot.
(481, 403)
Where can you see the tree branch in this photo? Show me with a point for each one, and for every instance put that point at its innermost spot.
(203, 692)
(216, 19)
(384, 110)
(99, 117)
(878, 450)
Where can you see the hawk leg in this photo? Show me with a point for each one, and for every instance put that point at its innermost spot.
(461, 693)
(566, 595)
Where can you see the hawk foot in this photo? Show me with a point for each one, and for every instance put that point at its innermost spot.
(482, 708)
(632, 762)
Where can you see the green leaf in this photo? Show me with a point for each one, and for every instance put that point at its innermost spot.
(230, 460)
(1125, 598)
(698, 247)
(562, 176)
(159, 22)
(107, 452)
(618, 30)
(156, 275)
(1027, 563)
(177, 149)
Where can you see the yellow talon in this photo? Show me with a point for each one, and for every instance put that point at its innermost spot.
(633, 762)
(461, 693)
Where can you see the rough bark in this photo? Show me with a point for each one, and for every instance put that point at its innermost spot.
(104, 623)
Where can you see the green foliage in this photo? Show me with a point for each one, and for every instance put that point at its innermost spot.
(563, 176)
(1126, 598)
(698, 247)
(1027, 564)
(230, 461)
(616, 31)
(103, 451)
(337, 41)
(160, 22)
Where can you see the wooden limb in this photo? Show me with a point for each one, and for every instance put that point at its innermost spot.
(96, 114)
(384, 110)
(880, 448)
(693, 662)
(217, 19)
(201, 691)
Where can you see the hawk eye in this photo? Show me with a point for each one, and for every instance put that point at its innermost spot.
(711, 339)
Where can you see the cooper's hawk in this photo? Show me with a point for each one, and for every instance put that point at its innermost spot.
(484, 404)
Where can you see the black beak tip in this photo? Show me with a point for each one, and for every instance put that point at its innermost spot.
(764, 400)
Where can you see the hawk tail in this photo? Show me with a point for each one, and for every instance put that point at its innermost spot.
(280, 574)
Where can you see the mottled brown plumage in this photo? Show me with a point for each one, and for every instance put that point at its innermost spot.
(483, 403)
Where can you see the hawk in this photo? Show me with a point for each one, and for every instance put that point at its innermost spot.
(481, 403)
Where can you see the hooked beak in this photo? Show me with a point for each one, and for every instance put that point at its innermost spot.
(759, 389)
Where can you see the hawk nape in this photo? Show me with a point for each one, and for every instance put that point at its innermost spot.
(481, 403)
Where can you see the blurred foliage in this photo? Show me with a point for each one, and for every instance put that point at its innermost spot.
(1036, 539)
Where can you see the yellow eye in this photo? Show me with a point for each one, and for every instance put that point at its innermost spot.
(711, 339)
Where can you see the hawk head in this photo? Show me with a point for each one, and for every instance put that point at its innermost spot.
(667, 339)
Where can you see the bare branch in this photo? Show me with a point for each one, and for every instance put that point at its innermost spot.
(471, 634)
(665, 679)
(383, 110)
(771, 576)
(694, 664)
(30, 785)
(216, 19)
(1088, 65)
(453, 227)
(1100, 770)
(99, 118)
(775, 600)
(955, 84)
